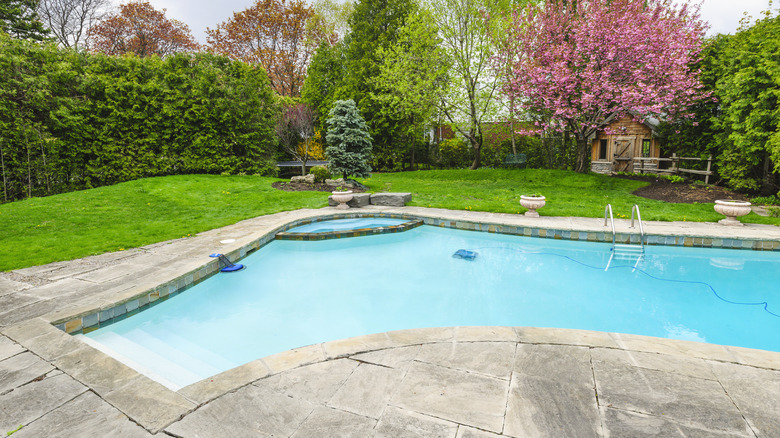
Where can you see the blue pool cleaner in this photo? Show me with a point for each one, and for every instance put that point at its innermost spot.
(228, 265)
(465, 254)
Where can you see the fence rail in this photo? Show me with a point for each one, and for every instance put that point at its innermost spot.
(645, 167)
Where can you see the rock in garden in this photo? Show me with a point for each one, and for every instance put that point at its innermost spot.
(307, 179)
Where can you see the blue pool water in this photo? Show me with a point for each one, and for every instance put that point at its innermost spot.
(346, 224)
(299, 293)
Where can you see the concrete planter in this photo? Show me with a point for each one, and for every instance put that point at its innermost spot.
(532, 203)
(342, 198)
(732, 210)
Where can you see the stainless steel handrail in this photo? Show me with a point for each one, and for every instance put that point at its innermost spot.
(608, 209)
(641, 228)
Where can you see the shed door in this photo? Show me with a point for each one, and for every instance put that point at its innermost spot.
(624, 154)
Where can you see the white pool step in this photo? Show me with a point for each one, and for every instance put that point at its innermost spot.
(175, 366)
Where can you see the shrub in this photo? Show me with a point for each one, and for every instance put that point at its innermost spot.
(321, 173)
(455, 152)
(766, 200)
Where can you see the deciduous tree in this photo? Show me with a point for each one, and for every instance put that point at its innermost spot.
(332, 17)
(273, 34)
(413, 78)
(70, 20)
(587, 62)
(467, 43)
(295, 129)
(141, 29)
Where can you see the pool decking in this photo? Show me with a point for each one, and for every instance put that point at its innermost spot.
(448, 382)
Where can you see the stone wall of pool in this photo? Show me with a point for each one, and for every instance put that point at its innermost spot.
(90, 320)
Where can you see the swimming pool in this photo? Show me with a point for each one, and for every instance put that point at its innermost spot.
(299, 293)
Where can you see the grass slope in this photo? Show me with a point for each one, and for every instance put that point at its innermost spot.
(136, 213)
(72, 225)
(568, 194)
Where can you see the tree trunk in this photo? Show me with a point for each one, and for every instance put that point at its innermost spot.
(512, 124)
(582, 155)
(477, 145)
(512, 133)
(29, 165)
(5, 182)
(412, 159)
(769, 175)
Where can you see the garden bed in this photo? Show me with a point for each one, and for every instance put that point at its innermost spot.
(303, 187)
(662, 189)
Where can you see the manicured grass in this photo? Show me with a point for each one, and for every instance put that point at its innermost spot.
(72, 225)
(567, 193)
(137, 213)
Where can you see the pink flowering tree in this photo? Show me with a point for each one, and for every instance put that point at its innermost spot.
(581, 64)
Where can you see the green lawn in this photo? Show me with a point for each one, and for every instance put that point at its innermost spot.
(137, 213)
(567, 193)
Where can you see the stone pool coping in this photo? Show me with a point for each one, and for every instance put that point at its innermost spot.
(155, 406)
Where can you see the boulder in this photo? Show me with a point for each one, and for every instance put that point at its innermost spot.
(335, 182)
(305, 179)
(391, 199)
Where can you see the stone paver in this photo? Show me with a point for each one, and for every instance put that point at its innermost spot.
(367, 390)
(7, 286)
(454, 382)
(699, 403)
(620, 423)
(252, 411)
(85, 416)
(490, 358)
(402, 423)
(27, 403)
(469, 432)
(9, 348)
(149, 403)
(756, 393)
(458, 396)
(552, 393)
(21, 369)
(315, 383)
(326, 421)
(400, 357)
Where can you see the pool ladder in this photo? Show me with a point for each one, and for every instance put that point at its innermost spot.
(626, 251)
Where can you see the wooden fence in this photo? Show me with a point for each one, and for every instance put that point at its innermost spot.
(653, 165)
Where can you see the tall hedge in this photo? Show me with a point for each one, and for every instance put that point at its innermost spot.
(73, 120)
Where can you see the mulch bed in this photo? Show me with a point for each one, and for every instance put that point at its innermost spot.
(303, 187)
(687, 193)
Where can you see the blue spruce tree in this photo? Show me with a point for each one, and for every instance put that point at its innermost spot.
(349, 143)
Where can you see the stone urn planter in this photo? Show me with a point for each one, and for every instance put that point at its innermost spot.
(532, 203)
(732, 210)
(342, 198)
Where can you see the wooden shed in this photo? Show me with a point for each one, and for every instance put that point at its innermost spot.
(627, 138)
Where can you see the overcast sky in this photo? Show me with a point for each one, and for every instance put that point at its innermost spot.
(723, 15)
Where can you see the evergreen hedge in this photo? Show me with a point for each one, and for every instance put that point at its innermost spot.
(71, 120)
